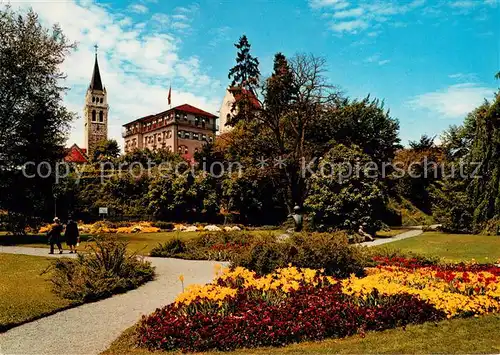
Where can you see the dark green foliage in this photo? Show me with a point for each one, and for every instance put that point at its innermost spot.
(222, 246)
(264, 256)
(172, 248)
(329, 251)
(364, 123)
(106, 150)
(105, 271)
(346, 193)
(484, 192)
(245, 73)
(33, 121)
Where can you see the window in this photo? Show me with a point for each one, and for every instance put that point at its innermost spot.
(101, 118)
(169, 134)
(195, 136)
(93, 116)
(101, 100)
(197, 121)
(180, 134)
(93, 99)
(186, 151)
(203, 137)
(211, 139)
(179, 149)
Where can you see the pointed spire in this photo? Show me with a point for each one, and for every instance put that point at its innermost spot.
(96, 83)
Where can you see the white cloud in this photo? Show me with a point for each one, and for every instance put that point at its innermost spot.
(464, 3)
(328, 3)
(377, 59)
(464, 77)
(138, 62)
(354, 17)
(355, 12)
(353, 26)
(455, 101)
(138, 8)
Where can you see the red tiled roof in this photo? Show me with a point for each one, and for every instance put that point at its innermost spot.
(182, 108)
(238, 93)
(191, 109)
(76, 155)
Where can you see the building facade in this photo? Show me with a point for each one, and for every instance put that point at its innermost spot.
(95, 112)
(183, 129)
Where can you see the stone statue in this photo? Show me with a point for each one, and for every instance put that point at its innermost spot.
(298, 219)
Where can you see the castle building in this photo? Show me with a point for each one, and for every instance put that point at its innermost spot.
(183, 129)
(95, 112)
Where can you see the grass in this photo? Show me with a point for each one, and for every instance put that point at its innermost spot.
(138, 242)
(472, 335)
(25, 294)
(452, 247)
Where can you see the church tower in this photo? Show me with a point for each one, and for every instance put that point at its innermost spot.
(95, 112)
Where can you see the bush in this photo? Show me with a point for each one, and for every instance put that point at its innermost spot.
(171, 248)
(264, 257)
(221, 246)
(329, 251)
(105, 271)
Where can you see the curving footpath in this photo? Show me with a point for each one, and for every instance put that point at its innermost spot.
(92, 327)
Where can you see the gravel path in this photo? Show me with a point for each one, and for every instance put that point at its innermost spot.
(92, 327)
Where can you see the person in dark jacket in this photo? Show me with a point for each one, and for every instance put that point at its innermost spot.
(55, 236)
(72, 235)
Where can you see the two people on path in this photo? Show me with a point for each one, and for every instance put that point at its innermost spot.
(71, 235)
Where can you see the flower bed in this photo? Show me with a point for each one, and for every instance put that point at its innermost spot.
(240, 309)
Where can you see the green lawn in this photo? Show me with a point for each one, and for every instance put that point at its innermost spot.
(24, 293)
(452, 247)
(472, 335)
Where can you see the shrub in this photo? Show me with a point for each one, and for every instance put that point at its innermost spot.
(172, 248)
(264, 257)
(105, 271)
(222, 246)
(329, 251)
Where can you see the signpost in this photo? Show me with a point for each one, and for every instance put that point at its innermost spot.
(103, 211)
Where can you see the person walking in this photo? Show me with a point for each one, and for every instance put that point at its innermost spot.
(72, 235)
(55, 236)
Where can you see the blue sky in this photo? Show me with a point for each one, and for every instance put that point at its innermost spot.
(431, 61)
